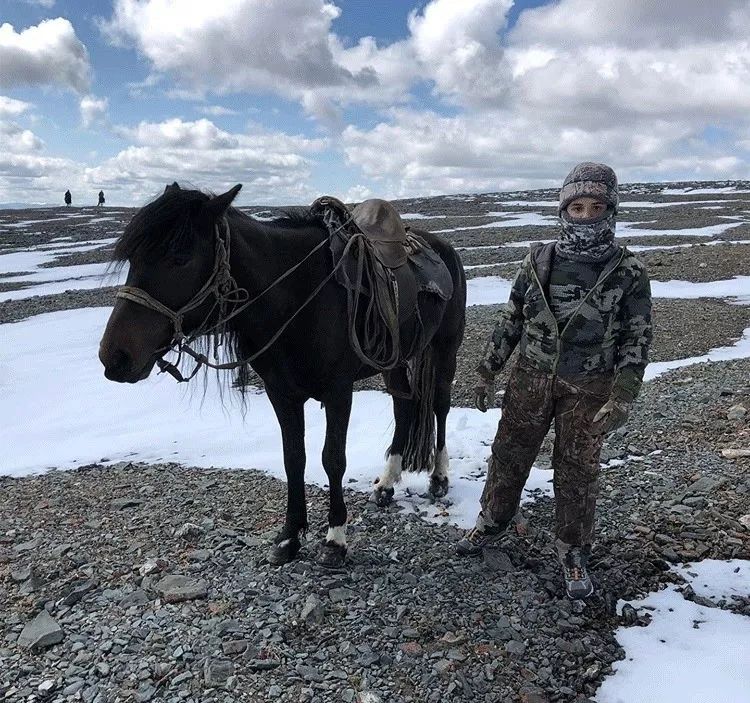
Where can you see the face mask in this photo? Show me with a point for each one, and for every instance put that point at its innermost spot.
(587, 240)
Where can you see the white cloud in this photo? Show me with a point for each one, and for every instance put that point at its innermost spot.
(459, 47)
(9, 107)
(93, 110)
(41, 3)
(237, 46)
(273, 166)
(49, 53)
(217, 110)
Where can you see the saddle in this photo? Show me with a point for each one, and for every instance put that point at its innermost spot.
(382, 225)
(378, 259)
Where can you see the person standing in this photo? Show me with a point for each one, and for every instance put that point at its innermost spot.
(580, 309)
(101, 199)
(68, 198)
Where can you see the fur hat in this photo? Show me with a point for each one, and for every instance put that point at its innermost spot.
(591, 180)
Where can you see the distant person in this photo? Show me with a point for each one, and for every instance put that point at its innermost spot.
(68, 198)
(101, 199)
(580, 309)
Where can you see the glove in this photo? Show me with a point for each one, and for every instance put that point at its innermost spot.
(611, 416)
(484, 392)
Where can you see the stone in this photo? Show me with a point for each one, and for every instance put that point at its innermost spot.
(736, 412)
(412, 649)
(732, 453)
(497, 560)
(515, 647)
(313, 609)
(137, 597)
(309, 673)
(216, 672)
(122, 503)
(340, 595)
(78, 591)
(43, 631)
(174, 588)
(189, 531)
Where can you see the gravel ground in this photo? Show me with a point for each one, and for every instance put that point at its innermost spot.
(406, 621)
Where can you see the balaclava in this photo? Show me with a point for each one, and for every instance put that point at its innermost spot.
(588, 240)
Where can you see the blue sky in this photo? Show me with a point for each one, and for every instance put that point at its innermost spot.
(295, 98)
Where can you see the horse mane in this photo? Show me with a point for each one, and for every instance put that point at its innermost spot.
(162, 229)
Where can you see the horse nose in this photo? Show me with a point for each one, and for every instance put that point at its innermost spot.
(117, 367)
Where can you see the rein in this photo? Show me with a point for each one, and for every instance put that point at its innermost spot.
(226, 292)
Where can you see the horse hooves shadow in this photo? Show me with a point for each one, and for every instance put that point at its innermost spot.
(284, 551)
(438, 487)
(382, 497)
(332, 555)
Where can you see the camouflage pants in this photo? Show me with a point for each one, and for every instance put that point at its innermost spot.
(534, 399)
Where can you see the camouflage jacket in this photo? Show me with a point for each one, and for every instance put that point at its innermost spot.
(610, 332)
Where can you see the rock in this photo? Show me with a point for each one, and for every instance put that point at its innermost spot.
(515, 647)
(704, 485)
(145, 693)
(736, 412)
(46, 687)
(497, 560)
(122, 503)
(78, 591)
(137, 597)
(368, 697)
(412, 649)
(629, 614)
(41, 632)
(735, 453)
(235, 646)
(216, 672)
(745, 521)
(21, 574)
(189, 531)
(309, 673)
(340, 595)
(313, 609)
(275, 691)
(29, 546)
(175, 588)
(152, 566)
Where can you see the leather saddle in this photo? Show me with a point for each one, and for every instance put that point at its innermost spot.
(402, 265)
(382, 225)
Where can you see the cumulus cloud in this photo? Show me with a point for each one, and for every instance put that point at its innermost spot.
(10, 107)
(93, 110)
(273, 166)
(49, 53)
(243, 45)
(636, 84)
(459, 48)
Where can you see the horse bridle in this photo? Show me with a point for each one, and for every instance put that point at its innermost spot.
(226, 293)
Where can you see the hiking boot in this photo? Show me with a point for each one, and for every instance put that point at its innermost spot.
(574, 561)
(486, 533)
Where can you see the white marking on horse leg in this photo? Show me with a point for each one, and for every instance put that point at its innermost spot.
(284, 543)
(442, 461)
(391, 473)
(337, 535)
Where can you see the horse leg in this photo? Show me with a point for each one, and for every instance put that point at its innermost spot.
(445, 370)
(382, 494)
(291, 416)
(338, 410)
(439, 476)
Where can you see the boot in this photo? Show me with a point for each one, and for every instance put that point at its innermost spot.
(486, 533)
(574, 561)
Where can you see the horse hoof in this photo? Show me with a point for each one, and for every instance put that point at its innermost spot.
(284, 551)
(382, 497)
(439, 487)
(332, 555)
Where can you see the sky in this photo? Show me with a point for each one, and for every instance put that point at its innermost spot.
(354, 98)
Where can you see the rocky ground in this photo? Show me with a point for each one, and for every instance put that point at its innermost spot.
(149, 582)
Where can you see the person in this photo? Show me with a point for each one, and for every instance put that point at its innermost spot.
(68, 197)
(580, 310)
(101, 199)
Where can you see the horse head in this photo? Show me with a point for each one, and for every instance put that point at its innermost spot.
(171, 248)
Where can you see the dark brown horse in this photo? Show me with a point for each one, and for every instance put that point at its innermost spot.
(265, 292)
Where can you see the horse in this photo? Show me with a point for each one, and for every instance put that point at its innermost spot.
(201, 269)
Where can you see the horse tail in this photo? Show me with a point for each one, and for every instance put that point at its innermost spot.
(419, 452)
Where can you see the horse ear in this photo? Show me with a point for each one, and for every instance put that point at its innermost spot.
(218, 205)
(174, 186)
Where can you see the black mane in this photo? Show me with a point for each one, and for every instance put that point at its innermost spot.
(163, 229)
